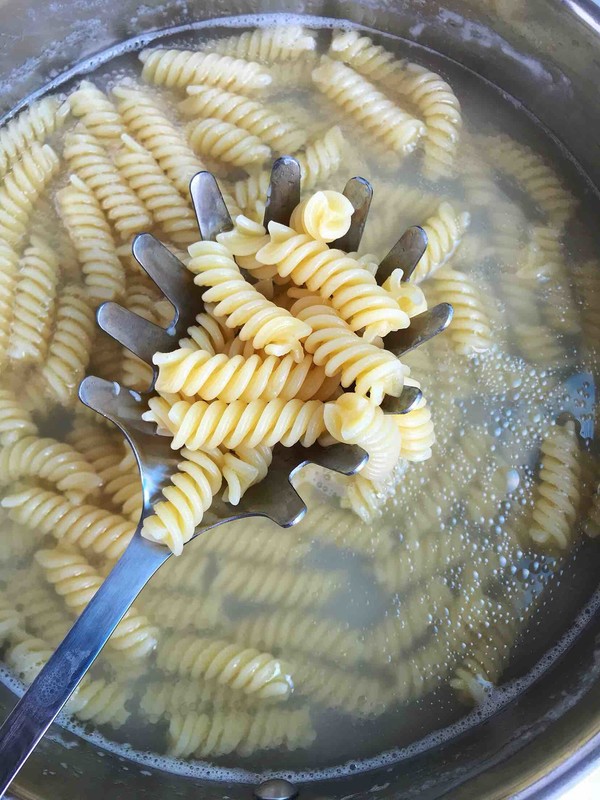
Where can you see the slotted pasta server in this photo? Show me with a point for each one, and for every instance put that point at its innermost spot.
(274, 497)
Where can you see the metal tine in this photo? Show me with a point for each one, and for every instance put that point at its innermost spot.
(283, 194)
(423, 327)
(137, 334)
(408, 401)
(360, 193)
(405, 254)
(211, 210)
(172, 278)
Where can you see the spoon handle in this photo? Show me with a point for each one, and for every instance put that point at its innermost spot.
(36, 710)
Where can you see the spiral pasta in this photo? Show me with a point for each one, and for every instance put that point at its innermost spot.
(254, 117)
(321, 158)
(335, 347)
(228, 664)
(41, 612)
(196, 373)
(416, 433)
(208, 334)
(353, 419)
(15, 421)
(557, 496)
(270, 328)
(35, 124)
(444, 231)
(469, 330)
(409, 297)
(177, 69)
(174, 519)
(97, 113)
(9, 619)
(379, 117)
(90, 233)
(149, 124)
(359, 52)
(125, 489)
(203, 425)
(77, 582)
(367, 498)
(324, 216)
(331, 687)
(70, 345)
(88, 527)
(285, 587)
(101, 701)
(244, 241)
(280, 44)
(243, 468)
(21, 188)
(170, 610)
(34, 300)
(252, 540)
(226, 142)
(353, 291)
(9, 268)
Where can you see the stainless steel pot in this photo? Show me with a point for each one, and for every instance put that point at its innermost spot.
(546, 53)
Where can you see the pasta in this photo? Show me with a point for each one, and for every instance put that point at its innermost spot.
(361, 54)
(88, 527)
(353, 419)
(409, 297)
(254, 542)
(244, 241)
(352, 289)
(444, 231)
(330, 687)
(280, 44)
(558, 491)
(181, 68)
(321, 158)
(69, 346)
(252, 116)
(196, 373)
(174, 519)
(324, 216)
(270, 328)
(34, 299)
(9, 267)
(31, 126)
(90, 161)
(333, 345)
(21, 188)
(125, 490)
(416, 433)
(90, 233)
(203, 425)
(36, 608)
(97, 113)
(386, 122)
(246, 670)
(209, 334)
(15, 421)
(177, 612)
(77, 582)
(242, 469)
(226, 142)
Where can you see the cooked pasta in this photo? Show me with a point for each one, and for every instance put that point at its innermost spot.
(243, 468)
(228, 664)
(176, 611)
(9, 267)
(69, 346)
(147, 122)
(252, 116)
(353, 419)
(333, 346)
(416, 433)
(77, 582)
(174, 519)
(380, 118)
(91, 162)
(182, 68)
(321, 158)
(409, 297)
(361, 54)
(280, 44)
(21, 188)
(270, 328)
(226, 142)
(100, 700)
(244, 241)
(34, 300)
(324, 216)
(90, 233)
(367, 498)
(558, 491)
(41, 611)
(97, 113)
(35, 124)
(444, 231)
(143, 174)
(440, 109)
(353, 291)
(203, 425)
(197, 373)
(357, 694)
(88, 527)
(208, 334)
(15, 421)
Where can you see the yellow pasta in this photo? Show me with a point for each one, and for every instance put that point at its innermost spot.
(324, 216)
(386, 122)
(416, 433)
(90, 233)
(252, 116)
(15, 421)
(97, 113)
(228, 664)
(444, 231)
(181, 68)
(174, 519)
(279, 44)
(208, 334)
(169, 610)
(353, 291)
(40, 610)
(409, 297)
(359, 52)
(353, 419)
(226, 142)
(21, 188)
(243, 468)
(9, 267)
(255, 540)
(77, 582)
(125, 490)
(35, 124)
(330, 687)
(270, 328)
(34, 300)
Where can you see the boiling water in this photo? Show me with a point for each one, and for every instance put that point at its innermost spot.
(448, 565)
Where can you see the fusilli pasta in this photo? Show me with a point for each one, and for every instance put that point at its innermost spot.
(226, 142)
(97, 113)
(35, 124)
(280, 44)
(444, 231)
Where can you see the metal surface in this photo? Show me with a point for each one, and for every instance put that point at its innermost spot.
(211, 211)
(275, 789)
(546, 54)
(404, 255)
(423, 327)
(360, 193)
(283, 194)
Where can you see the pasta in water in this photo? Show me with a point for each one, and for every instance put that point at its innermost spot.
(419, 573)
